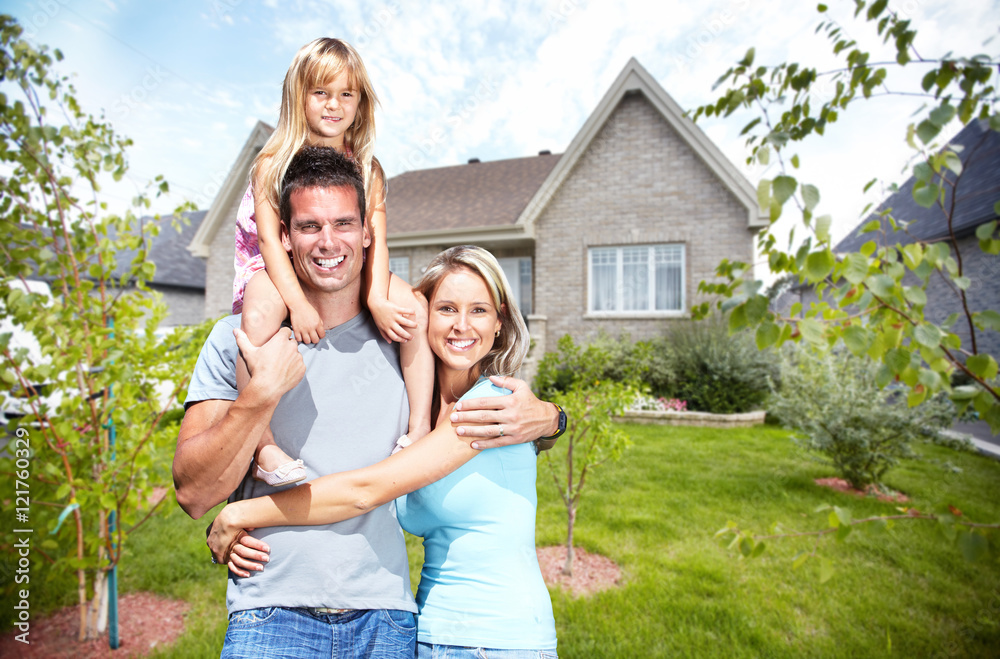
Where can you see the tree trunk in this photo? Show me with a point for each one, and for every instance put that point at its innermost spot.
(571, 515)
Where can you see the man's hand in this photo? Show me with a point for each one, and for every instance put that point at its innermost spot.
(276, 364)
(520, 416)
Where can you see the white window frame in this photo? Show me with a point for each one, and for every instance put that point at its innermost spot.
(619, 311)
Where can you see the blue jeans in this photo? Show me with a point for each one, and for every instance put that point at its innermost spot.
(274, 632)
(435, 651)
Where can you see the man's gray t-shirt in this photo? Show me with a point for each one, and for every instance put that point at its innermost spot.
(346, 413)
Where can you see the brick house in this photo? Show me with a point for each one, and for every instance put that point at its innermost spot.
(613, 235)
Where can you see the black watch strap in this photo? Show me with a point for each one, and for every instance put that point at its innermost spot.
(562, 424)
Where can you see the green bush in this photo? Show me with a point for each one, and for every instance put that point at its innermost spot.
(862, 430)
(714, 371)
(697, 362)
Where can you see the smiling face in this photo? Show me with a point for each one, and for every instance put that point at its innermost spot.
(326, 239)
(330, 110)
(462, 322)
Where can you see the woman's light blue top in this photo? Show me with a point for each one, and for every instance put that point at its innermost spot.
(480, 584)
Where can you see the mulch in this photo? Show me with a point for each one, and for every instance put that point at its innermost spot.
(145, 622)
(842, 485)
(592, 573)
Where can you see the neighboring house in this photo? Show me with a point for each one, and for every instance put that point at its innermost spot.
(976, 191)
(180, 276)
(614, 235)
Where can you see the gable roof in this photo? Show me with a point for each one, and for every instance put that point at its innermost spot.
(634, 78)
(235, 184)
(479, 196)
(976, 191)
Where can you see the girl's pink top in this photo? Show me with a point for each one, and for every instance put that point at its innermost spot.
(248, 261)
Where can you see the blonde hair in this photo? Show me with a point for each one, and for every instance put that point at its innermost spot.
(315, 64)
(510, 348)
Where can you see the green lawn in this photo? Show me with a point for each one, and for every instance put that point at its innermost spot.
(905, 593)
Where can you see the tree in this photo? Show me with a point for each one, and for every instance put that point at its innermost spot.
(571, 378)
(872, 300)
(94, 381)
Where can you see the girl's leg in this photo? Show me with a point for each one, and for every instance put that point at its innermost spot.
(263, 313)
(416, 359)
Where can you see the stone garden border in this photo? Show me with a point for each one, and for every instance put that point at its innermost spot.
(703, 419)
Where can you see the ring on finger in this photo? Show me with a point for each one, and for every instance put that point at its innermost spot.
(500, 426)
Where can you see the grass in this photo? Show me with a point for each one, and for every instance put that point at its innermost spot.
(906, 592)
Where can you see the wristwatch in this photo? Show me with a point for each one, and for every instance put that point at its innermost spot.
(562, 424)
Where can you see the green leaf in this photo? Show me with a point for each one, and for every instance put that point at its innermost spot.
(800, 560)
(982, 365)
(927, 131)
(855, 268)
(942, 114)
(795, 161)
(857, 339)
(823, 228)
(963, 283)
(811, 330)
(825, 569)
(783, 187)
(973, 545)
(926, 195)
(819, 264)
(764, 194)
(984, 231)
(767, 335)
(989, 319)
(881, 285)
(810, 195)
(927, 335)
(915, 295)
(897, 359)
(843, 515)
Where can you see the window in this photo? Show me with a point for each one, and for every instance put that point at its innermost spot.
(400, 266)
(518, 273)
(636, 279)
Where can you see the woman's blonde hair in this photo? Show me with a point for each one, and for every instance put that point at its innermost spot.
(316, 64)
(510, 348)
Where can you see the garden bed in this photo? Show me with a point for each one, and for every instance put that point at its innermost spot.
(703, 419)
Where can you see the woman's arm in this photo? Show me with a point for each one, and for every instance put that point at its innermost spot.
(306, 323)
(391, 319)
(340, 496)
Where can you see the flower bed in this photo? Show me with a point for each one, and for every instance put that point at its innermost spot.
(705, 419)
(673, 412)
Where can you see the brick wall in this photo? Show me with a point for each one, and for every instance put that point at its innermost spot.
(638, 183)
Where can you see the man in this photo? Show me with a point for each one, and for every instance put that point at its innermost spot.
(340, 589)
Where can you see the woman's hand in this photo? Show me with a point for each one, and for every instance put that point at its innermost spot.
(306, 323)
(231, 545)
(504, 420)
(392, 320)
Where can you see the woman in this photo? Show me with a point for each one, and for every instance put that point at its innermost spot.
(481, 592)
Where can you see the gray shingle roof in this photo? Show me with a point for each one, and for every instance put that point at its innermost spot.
(977, 191)
(479, 194)
(175, 265)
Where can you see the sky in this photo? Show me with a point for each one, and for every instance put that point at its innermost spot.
(187, 80)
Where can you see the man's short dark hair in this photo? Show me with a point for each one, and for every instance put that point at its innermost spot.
(319, 167)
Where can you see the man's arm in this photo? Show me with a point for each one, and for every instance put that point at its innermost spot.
(218, 438)
(522, 416)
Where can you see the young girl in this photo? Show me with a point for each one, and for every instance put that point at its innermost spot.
(326, 100)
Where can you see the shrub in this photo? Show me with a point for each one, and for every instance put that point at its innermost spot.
(862, 430)
(701, 363)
